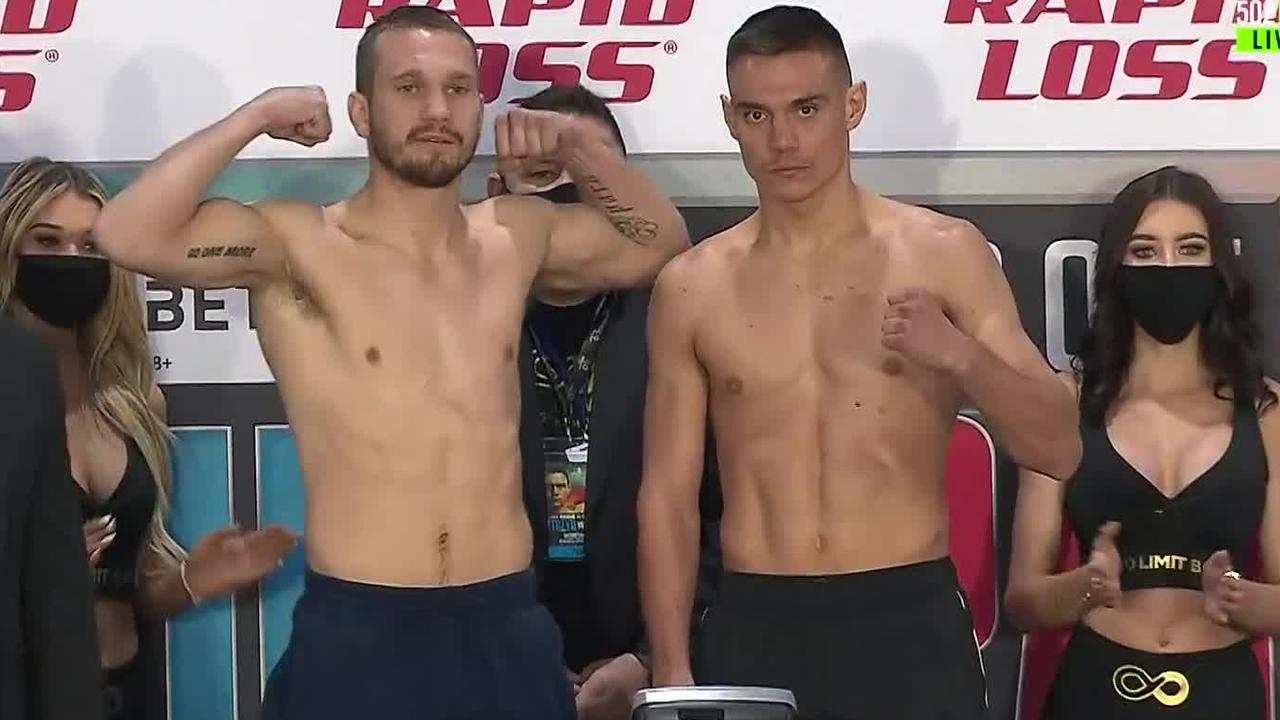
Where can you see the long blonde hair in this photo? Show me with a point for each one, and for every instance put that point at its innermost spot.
(115, 339)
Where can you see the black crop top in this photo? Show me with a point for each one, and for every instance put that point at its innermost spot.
(1164, 541)
(132, 504)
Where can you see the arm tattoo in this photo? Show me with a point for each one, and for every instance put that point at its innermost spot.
(217, 251)
(630, 226)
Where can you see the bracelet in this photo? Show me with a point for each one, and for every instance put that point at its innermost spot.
(182, 573)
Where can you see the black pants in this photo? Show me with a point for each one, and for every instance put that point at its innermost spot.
(127, 689)
(894, 644)
(486, 651)
(1102, 680)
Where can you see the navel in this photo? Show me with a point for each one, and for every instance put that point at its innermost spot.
(373, 355)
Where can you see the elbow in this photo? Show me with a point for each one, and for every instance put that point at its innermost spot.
(1018, 608)
(1057, 455)
(676, 237)
(114, 235)
(1065, 457)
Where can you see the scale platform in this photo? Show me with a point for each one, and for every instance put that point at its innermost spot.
(713, 703)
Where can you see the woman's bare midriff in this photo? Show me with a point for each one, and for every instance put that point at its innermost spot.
(117, 632)
(1162, 620)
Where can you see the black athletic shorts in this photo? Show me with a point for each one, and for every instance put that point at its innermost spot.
(892, 644)
(486, 651)
(1102, 680)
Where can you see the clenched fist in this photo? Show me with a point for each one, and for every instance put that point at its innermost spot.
(1224, 589)
(296, 114)
(916, 326)
(528, 137)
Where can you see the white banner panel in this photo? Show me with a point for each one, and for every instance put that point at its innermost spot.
(203, 336)
(111, 80)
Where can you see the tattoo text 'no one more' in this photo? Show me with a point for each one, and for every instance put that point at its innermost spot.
(629, 226)
(218, 251)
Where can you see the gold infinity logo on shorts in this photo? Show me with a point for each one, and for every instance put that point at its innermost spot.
(1169, 688)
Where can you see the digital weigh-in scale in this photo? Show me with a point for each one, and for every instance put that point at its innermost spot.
(713, 703)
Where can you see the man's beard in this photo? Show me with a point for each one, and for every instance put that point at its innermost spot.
(427, 172)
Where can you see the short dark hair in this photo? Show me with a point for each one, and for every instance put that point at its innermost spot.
(785, 29)
(575, 100)
(405, 17)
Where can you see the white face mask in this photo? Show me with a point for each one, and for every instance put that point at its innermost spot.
(519, 186)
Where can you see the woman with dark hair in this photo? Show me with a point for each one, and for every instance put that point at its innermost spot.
(1176, 482)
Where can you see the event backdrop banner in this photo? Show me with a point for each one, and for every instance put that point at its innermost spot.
(97, 80)
(236, 459)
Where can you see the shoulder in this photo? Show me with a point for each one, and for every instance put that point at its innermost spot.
(25, 352)
(28, 371)
(706, 265)
(288, 216)
(937, 233)
(518, 213)
(156, 401)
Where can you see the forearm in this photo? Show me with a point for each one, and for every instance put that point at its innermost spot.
(1049, 602)
(1259, 612)
(668, 556)
(634, 205)
(163, 594)
(1035, 419)
(149, 213)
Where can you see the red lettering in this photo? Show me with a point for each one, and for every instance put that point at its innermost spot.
(1103, 57)
(640, 12)
(20, 17)
(596, 12)
(494, 60)
(1216, 62)
(1208, 11)
(518, 11)
(993, 11)
(1175, 77)
(17, 88)
(532, 65)
(998, 71)
(355, 14)
(1130, 11)
(1087, 12)
(636, 79)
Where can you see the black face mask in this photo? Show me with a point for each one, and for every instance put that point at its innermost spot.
(566, 194)
(62, 290)
(1169, 301)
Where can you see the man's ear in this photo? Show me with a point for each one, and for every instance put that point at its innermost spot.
(726, 109)
(855, 102)
(358, 113)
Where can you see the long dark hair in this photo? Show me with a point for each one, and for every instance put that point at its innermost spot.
(1229, 336)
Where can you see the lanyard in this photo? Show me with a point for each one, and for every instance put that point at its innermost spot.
(571, 379)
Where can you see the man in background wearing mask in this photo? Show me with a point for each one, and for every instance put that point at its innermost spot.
(48, 641)
(582, 367)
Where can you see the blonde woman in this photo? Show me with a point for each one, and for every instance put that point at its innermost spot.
(53, 279)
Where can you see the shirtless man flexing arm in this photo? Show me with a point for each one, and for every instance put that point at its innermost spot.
(390, 321)
(832, 337)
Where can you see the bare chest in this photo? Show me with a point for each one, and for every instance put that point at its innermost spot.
(98, 455)
(380, 311)
(1171, 446)
(812, 333)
